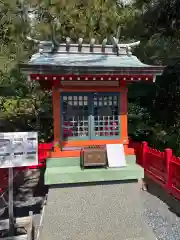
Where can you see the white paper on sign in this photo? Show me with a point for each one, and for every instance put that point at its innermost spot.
(5, 161)
(5, 144)
(31, 145)
(18, 144)
(115, 155)
(18, 149)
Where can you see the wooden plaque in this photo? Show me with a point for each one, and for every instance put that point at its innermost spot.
(93, 157)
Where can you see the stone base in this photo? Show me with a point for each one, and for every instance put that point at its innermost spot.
(23, 229)
(68, 170)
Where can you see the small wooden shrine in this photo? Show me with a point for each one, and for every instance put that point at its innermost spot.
(89, 85)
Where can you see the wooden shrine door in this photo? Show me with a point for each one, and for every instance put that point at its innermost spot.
(86, 116)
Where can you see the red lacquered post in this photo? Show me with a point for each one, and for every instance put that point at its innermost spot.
(144, 148)
(168, 158)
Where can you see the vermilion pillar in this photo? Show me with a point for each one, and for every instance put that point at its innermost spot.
(123, 115)
(56, 115)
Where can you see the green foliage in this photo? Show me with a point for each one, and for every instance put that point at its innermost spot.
(75, 19)
(23, 105)
(153, 110)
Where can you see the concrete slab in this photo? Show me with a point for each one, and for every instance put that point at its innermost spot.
(68, 171)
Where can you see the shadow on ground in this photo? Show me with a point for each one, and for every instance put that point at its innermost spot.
(70, 185)
(156, 190)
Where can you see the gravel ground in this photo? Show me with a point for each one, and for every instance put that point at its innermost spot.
(161, 213)
(99, 212)
(110, 212)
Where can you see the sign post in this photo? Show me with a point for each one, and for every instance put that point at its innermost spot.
(17, 149)
(11, 205)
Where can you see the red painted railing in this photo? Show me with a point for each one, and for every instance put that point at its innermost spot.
(161, 167)
(3, 179)
(137, 150)
(43, 152)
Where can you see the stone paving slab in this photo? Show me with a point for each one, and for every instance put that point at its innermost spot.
(100, 212)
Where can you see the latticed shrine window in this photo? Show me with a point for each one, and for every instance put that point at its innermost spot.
(90, 116)
(75, 116)
(106, 115)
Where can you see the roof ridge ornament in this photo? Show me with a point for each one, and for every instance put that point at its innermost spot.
(115, 48)
(128, 46)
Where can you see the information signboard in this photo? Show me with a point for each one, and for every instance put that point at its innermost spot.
(18, 149)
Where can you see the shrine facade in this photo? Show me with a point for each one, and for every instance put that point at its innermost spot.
(89, 84)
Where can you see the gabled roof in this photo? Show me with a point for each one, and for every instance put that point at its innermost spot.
(87, 58)
(68, 59)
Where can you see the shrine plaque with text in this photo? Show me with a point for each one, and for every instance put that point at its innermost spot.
(93, 157)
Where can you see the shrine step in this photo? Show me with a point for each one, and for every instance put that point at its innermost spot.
(68, 171)
(75, 161)
(62, 162)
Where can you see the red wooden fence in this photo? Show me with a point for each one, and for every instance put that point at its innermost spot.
(161, 167)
